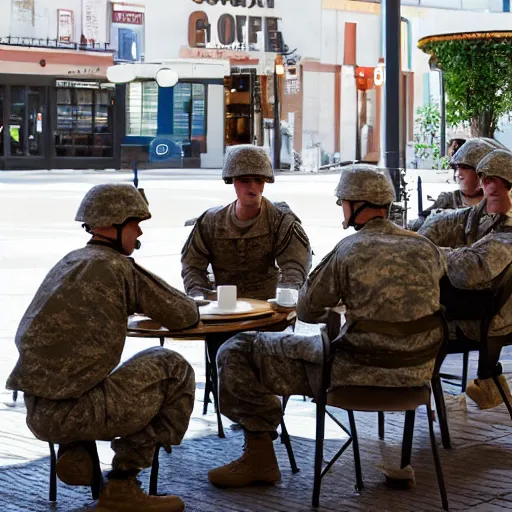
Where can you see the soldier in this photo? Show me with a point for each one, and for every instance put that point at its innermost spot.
(477, 266)
(251, 243)
(382, 273)
(468, 225)
(464, 162)
(71, 339)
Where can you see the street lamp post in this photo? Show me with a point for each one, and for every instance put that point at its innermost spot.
(391, 22)
(278, 71)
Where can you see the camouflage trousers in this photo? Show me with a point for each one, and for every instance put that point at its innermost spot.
(255, 369)
(146, 401)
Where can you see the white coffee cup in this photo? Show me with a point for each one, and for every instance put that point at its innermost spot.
(287, 297)
(226, 296)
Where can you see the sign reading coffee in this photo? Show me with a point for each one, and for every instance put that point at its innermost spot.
(239, 3)
(240, 32)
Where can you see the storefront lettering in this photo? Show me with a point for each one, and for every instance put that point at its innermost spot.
(239, 3)
(240, 32)
(84, 71)
(213, 53)
(127, 17)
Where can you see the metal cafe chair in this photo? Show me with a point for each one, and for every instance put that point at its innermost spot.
(473, 305)
(97, 481)
(367, 399)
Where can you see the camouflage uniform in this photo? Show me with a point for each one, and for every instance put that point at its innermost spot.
(70, 342)
(485, 250)
(446, 201)
(470, 154)
(256, 255)
(381, 273)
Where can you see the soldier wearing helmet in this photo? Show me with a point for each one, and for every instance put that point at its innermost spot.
(251, 243)
(464, 163)
(477, 267)
(70, 343)
(368, 272)
(466, 226)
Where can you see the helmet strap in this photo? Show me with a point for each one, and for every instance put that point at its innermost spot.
(357, 211)
(117, 243)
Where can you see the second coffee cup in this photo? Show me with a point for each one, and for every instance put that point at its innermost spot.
(226, 296)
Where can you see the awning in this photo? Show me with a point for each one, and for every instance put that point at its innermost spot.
(55, 62)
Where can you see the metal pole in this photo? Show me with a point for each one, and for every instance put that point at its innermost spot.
(277, 123)
(392, 52)
(442, 120)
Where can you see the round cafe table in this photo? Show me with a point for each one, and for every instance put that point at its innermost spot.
(216, 329)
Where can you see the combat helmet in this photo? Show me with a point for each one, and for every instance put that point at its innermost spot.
(112, 204)
(367, 183)
(494, 143)
(247, 160)
(471, 153)
(499, 164)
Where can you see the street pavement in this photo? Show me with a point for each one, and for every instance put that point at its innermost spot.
(37, 228)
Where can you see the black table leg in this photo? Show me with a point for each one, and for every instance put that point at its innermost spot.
(208, 380)
(213, 344)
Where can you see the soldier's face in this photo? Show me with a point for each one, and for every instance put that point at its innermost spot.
(497, 194)
(467, 178)
(249, 190)
(131, 233)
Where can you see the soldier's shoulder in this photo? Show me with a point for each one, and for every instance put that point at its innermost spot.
(282, 209)
(208, 215)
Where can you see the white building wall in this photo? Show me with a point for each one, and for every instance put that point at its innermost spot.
(215, 128)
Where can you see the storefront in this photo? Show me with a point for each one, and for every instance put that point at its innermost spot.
(57, 110)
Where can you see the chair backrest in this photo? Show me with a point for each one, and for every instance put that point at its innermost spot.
(502, 291)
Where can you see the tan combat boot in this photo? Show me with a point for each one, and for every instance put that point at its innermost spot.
(257, 465)
(485, 393)
(74, 466)
(125, 495)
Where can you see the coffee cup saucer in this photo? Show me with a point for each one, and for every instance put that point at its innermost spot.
(282, 305)
(214, 309)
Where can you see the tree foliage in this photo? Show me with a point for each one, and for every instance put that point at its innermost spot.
(478, 80)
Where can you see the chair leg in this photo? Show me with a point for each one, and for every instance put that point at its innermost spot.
(357, 457)
(162, 341)
(284, 403)
(381, 424)
(285, 439)
(153, 479)
(437, 390)
(97, 477)
(319, 451)
(14, 396)
(212, 347)
(208, 380)
(503, 395)
(465, 368)
(407, 439)
(437, 462)
(53, 474)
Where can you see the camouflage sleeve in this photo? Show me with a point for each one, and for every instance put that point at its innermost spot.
(293, 255)
(163, 303)
(445, 229)
(476, 267)
(195, 258)
(443, 202)
(322, 290)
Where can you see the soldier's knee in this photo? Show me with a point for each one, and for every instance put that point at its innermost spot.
(239, 344)
(173, 362)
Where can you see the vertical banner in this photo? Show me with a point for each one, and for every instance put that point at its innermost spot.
(92, 16)
(65, 26)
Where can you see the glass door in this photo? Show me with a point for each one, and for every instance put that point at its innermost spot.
(26, 121)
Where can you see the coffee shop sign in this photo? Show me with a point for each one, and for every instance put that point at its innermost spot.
(239, 3)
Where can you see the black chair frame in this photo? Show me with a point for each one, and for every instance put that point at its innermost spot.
(97, 481)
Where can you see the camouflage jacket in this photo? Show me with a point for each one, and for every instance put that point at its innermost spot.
(446, 201)
(73, 332)
(273, 250)
(381, 273)
(475, 268)
(462, 227)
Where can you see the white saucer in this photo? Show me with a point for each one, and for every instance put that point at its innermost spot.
(213, 309)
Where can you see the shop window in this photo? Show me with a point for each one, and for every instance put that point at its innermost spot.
(142, 109)
(127, 32)
(84, 121)
(190, 115)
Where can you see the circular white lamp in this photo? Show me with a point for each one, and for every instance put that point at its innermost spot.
(166, 77)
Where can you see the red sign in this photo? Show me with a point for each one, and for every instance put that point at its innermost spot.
(364, 78)
(128, 17)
